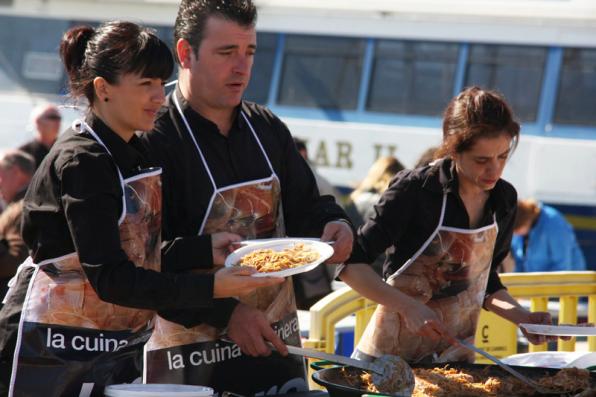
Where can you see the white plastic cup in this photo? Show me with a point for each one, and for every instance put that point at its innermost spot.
(157, 390)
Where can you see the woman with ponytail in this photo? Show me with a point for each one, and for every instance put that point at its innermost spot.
(81, 307)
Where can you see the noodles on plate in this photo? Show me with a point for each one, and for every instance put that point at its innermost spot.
(268, 260)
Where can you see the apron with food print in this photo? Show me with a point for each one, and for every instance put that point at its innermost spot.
(449, 274)
(70, 342)
(198, 355)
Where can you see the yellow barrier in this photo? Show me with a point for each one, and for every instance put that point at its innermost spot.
(494, 333)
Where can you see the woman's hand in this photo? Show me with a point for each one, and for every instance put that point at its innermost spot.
(221, 246)
(341, 233)
(418, 317)
(507, 307)
(421, 320)
(537, 318)
(236, 281)
(540, 318)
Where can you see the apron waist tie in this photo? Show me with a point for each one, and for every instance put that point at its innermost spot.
(28, 263)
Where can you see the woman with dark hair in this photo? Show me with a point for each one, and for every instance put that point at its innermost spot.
(448, 226)
(82, 305)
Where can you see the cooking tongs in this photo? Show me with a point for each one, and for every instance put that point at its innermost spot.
(530, 382)
(334, 358)
(386, 371)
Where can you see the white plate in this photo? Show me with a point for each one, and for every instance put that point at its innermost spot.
(549, 359)
(559, 330)
(325, 251)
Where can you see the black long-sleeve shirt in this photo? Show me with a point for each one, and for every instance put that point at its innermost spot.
(13, 250)
(73, 204)
(409, 210)
(232, 159)
(36, 149)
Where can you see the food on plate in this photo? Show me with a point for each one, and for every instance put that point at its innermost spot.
(268, 260)
(446, 381)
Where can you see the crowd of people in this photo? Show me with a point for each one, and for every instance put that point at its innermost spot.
(116, 244)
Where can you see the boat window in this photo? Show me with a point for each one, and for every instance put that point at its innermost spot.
(29, 60)
(576, 99)
(321, 72)
(515, 71)
(166, 34)
(260, 80)
(412, 77)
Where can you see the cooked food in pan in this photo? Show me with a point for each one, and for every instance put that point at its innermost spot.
(268, 260)
(445, 381)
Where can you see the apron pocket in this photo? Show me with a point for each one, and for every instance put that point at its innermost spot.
(66, 300)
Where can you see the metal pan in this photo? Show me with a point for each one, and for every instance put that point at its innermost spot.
(337, 386)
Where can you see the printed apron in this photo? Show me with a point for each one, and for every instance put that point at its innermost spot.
(197, 355)
(70, 342)
(449, 274)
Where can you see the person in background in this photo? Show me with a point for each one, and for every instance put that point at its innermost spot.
(368, 192)
(46, 121)
(231, 165)
(16, 170)
(449, 226)
(325, 187)
(15, 173)
(310, 287)
(543, 240)
(427, 157)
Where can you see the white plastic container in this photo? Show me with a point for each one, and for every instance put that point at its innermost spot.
(157, 390)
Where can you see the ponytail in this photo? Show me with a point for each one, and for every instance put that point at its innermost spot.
(110, 51)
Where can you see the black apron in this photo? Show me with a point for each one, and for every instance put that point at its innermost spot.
(197, 355)
(70, 342)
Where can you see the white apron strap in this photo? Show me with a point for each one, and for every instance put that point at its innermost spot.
(203, 160)
(81, 126)
(259, 142)
(189, 130)
(28, 263)
(15, 361)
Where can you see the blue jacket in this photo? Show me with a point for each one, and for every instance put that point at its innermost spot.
(552, 245)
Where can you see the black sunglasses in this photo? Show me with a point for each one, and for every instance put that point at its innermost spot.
(52, 117)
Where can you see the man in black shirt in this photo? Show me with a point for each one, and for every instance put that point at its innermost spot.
(214, 148)
(16, 170)
(46, 121)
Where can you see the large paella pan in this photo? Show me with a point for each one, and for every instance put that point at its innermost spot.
(459, 379)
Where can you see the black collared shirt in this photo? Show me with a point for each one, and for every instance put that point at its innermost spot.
(36, 149)
(232, 159)
(74, 203)
(409, 210)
